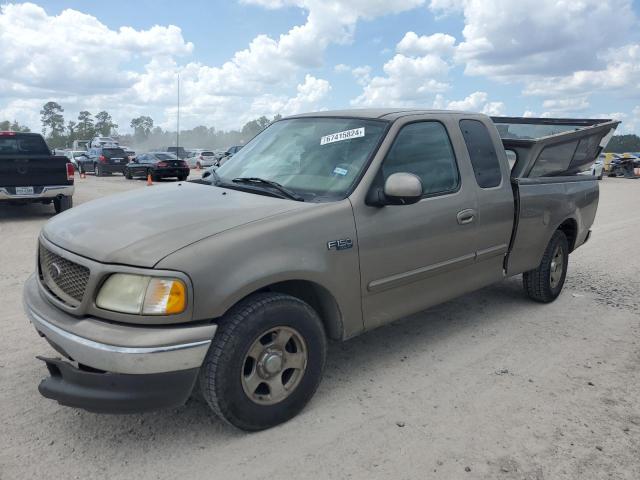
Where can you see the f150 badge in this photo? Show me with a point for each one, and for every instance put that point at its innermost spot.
(341, 244)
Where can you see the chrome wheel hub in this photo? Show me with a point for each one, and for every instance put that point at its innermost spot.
(274, 365)
(557, 266)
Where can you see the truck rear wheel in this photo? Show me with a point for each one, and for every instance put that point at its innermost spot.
(545, 283)
(265, 362)
(62, 204)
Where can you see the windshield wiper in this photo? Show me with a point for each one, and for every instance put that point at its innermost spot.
(261, 181)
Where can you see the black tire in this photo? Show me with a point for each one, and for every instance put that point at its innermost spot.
(600, 177)
(155, 177)
(127, 174)
(182, 178)
(62, 204)
(538, 283)
(97, 169)
(220, 376)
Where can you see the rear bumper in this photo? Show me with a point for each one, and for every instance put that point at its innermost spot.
(115, 393)
(111, 168)
(48, 192)
(171, 172)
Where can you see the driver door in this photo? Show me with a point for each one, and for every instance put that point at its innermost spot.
(414, 256)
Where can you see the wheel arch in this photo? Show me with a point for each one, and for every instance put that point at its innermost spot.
(570, 228)
(316, 296)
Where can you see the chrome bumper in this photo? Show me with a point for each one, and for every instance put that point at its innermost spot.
(142, 349)
(50, 191)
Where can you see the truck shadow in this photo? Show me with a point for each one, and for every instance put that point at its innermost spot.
(194, 424)
(26, 212)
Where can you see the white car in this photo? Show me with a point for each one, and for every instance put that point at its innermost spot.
(202, 158)
(107, 142)
(73, 154)
(597, 168)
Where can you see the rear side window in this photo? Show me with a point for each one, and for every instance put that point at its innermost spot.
(23, 145)
(482, 153)
(424, 149)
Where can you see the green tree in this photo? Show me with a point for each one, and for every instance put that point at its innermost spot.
(254, 127)
(142, 127)
(71, 131)
(14, 126)
(52, 121)
(104, 124)
(85, 130)
(623, 144)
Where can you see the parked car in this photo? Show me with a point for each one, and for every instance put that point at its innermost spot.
(97, 142)
(103, 160)
(179, 152)
(157, 164)
(72, 155)
(29, 173)
(597, 168)
(130, 153)
(202, 159)
(231, 151)
(324, 226)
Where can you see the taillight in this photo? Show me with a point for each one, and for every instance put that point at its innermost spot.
(7, 134)
(102, 159)
(70, 171)
(163, 164)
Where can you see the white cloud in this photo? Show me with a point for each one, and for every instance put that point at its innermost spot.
(475, 102)
(269, 74)
(566, 105)
(438, 43)
(412, 77)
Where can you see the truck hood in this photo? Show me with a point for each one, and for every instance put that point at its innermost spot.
(142, 227)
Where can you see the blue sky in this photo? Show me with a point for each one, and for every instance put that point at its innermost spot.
(242, 59)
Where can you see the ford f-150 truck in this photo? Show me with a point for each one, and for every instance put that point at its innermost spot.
(324, 226)
(29, 173)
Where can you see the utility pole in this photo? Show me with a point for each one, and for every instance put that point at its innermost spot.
(178, 120)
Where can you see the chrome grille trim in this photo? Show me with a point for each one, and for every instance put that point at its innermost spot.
(64, 279)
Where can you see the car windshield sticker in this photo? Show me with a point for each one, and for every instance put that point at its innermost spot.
(339, 136)
(340, 171)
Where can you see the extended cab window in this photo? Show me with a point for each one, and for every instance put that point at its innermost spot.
(424, 149)
(482, 152)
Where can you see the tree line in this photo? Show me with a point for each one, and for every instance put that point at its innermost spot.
(146, 136)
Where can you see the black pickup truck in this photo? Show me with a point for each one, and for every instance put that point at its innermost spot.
(29, 173)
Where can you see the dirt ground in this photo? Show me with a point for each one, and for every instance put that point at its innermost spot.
(489, 386)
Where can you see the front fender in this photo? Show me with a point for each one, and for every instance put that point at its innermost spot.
(229, 266)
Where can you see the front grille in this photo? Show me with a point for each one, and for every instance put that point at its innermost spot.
(65, 279)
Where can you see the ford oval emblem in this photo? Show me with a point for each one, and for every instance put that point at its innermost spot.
(55, 271)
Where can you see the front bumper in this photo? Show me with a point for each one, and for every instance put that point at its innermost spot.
(154, 365)
(47, 192)
(115, 393)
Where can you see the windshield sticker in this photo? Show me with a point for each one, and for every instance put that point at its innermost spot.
(340, 136)
(340, 171)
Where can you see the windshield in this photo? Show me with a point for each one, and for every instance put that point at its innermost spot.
(317, 158)
(113, 152)
(207, 154)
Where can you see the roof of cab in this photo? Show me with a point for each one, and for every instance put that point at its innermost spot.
(377, 113)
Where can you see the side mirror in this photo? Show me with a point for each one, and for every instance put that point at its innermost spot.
(399, 189)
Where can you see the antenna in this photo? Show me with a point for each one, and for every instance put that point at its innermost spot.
(178, 121)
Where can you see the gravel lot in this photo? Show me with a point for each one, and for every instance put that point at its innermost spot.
(487, 386)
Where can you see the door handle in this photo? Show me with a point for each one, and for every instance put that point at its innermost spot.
(466, 216)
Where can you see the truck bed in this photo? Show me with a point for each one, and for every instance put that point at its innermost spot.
(548, 192)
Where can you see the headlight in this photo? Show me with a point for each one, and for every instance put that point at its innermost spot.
(139, 294)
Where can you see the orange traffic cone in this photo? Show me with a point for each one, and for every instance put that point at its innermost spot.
(149, 180)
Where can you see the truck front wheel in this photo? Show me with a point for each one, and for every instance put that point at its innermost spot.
(265, 362)
(545, 283)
